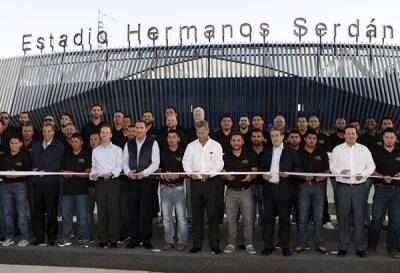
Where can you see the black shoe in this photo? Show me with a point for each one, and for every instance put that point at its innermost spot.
(132, 244)
(38, 242)
(241, 247)
(147, 245)
(112, 245)
(286, 252)
(342, 253)
(267, 251)
(102, 245)
(195, 249)
(361, 253)
(216, 250)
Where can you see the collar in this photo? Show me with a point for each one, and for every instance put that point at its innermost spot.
(280, 147)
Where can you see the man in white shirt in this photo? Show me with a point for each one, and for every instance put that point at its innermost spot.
(204, 156)
(106, 167)
(355, 161)
(141, 159)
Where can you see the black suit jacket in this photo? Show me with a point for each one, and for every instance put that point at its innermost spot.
(289, 162)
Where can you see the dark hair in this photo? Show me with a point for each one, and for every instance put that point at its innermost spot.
(95, 133)
(244, 115)
(301, 116)
(141, 121)
(173, 131)
(97, 105)
(148, 111)
(349, 126)
(170, 107)
(226, 115)
(310, 132)
(24, 112)
(236, 133)
(295, 132)
(119, 111)
(277, 129)
(107, 126)
(49, 125)
(389, 118)
(77, 135)
(257, 115)
(256, 130)
(388, 130)
(68, 115)
(352, 120)
(28, 124)
(16, 137)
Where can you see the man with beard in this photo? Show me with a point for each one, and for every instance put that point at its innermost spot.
(302, 126)
(257, 141)
(244, 129)
(257, 122)
(152, 131)
(117, 136)
(94, 125)
(172, 124)
(337, 137)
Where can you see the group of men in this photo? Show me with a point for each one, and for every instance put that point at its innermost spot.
(197, 175)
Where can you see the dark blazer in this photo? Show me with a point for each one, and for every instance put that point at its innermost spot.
(289, 162)
(48, 159)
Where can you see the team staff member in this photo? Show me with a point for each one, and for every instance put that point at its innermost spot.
(311, 192)
(75, 192)
(141, 159)
(172, 193)
(278, 190)
(387, 194)
(46, 156)
(239, 195)
(204, 156)
(106, 168)
(351, 158)
(14, 193)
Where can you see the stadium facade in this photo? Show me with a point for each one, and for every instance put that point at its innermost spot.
(328, 80)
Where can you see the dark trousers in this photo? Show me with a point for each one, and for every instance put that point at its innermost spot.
(108, 203)
(140, 206)
(205, 197)
(45, 196)
(124, 211)
(276, 205)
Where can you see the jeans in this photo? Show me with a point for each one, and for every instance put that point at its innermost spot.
(242, 200)
(258, 203)
(311, 195)
(174, 198)
(80, 203)
(385, 198)
(14, 202)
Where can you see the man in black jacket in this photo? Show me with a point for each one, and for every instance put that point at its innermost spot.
(278, 189)
(46, 156)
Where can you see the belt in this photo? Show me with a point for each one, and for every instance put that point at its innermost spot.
(106, 178)
(203, 180)
(392, 187)
(239, 188)
(350, 185)
(172, 185)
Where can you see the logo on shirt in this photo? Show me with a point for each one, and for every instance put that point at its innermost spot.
(397, 158)
(321, 141)
(245, 162)
(81, 160)
(179, 159)
(318, 158)
(379, 143)
(18, 163)
(1, 152)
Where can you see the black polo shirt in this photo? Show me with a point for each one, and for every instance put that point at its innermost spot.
(258, 180)
(323, 141)
(88, 129)
(369, 141)
(118, 138)
(163, 143)
(17, 162)
(171, 161)
(315, 162)
(153, 132)
(387, 163)
(224, 140)
(76, 163)
(334, 141)
(242, 163)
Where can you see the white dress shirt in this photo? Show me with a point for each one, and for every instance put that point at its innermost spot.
(357, 159)
(207, 159)
(274, 169)
(155, 158)
(106, 159)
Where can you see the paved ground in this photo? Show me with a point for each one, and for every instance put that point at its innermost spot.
(50, 269)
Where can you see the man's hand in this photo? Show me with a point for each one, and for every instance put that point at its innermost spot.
(267, 176)
(320, 178)
(132, 175)
(387, 179)
(107, 175)
(308, 178)
(140, 175)
(283, 174)
(247, 178)
(345, 172)
(359, 177)
(93, 177)
(229, 177)
(205, 176)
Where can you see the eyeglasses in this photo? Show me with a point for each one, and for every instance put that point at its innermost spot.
(2, 118)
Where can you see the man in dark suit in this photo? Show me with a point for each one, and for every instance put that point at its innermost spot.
(278, 190)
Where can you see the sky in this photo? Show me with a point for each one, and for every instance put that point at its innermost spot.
(45, 17)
